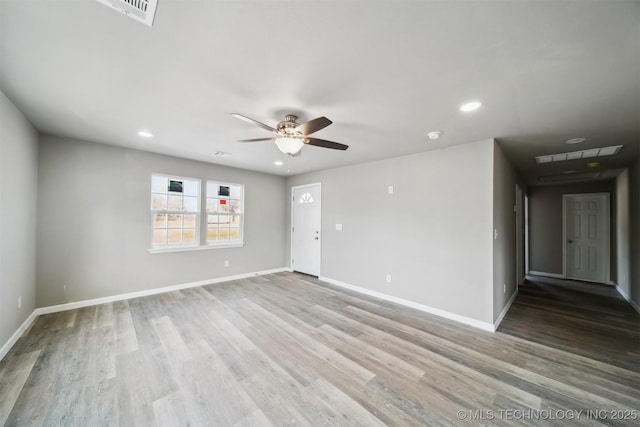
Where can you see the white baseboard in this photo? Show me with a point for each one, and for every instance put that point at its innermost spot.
(97, 301)
(154, 291)
(505, 310)
(431, 310)
(628, 298)
(17, 334)
(543, 274)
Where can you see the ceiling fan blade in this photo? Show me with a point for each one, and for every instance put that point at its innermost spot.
(325, 144)
(254, 122)
(313, 125)
(256, 139)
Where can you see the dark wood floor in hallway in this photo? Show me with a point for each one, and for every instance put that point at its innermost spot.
(285, 349)
(588, 319)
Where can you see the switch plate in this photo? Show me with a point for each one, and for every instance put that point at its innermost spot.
(338, 227)
(388, 278)
(226, 263)
(390, 189)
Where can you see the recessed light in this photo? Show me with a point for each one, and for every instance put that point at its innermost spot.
(593, 164)
(145, 134)
(278, 163)
(470, 106)
(221, 154)
(434, 135)
(575, 140)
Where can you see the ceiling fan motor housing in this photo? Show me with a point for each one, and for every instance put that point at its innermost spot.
(288, 126)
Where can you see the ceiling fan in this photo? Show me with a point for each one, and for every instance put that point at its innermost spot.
(292, 136)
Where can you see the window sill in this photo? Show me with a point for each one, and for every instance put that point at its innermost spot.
(194, 248)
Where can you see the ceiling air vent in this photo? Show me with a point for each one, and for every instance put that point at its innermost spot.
(140, 10)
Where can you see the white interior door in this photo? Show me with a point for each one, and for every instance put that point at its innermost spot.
(586, 233)
(306, 233)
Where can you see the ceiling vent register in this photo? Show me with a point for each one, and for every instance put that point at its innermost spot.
(583, 154)
(141, 10)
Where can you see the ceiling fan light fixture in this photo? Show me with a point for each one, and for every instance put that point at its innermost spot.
(289, 145)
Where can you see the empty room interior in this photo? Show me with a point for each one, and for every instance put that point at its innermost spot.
(401, 213)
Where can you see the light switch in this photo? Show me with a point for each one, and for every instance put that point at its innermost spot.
(390, 189)
(338, 227)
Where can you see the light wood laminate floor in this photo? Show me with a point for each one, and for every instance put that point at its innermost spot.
(285, 349)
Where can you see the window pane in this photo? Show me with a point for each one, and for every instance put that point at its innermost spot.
(190, 204)
(175, 236)
(211, 205)
(190, 187)
(160, 237)
(189, 221)
(223, 205)
(234, 221)
(158, 202)
(234, 205)
(212, 219)
(174, 221)
(212, 189)
(223, 233)
(223, 219)
(234, 233)
(235, 191)
(175, 203)
(189, 236)
(159, 184)
(160, 220)
(212, 234)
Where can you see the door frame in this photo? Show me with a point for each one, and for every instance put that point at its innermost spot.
(292, 199)
(607, 227)
(519, 236)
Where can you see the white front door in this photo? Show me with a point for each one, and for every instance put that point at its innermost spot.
(305, 229)
(586, 232)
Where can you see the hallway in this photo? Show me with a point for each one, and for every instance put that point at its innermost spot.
(587, 319)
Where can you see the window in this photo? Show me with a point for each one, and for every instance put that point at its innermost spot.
(224, 213)
(175, 211)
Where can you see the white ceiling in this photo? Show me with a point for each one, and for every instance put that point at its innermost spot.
(385, 72)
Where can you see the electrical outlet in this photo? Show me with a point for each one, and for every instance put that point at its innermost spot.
(226, 263)
(20, 301)
(338, 227)
(390, 189)
(388, 278)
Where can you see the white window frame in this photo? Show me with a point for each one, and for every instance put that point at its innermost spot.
(178, 246)
(240, 215)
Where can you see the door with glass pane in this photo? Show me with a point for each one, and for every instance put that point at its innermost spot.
(306, 235)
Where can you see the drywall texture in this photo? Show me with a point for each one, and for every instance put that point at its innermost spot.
(19, 178)
(433, 235)
(504, 223)
(545, 224)
(623, 232)
(634, 226)
(94, 225)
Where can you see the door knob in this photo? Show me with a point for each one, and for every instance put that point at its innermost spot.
(316, 237)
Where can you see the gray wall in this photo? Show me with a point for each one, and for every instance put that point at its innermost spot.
(18, 189)
(433, 235)
(623, 232)
(94, 220)
(545, 224)
(504, 223)
(634, 226)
